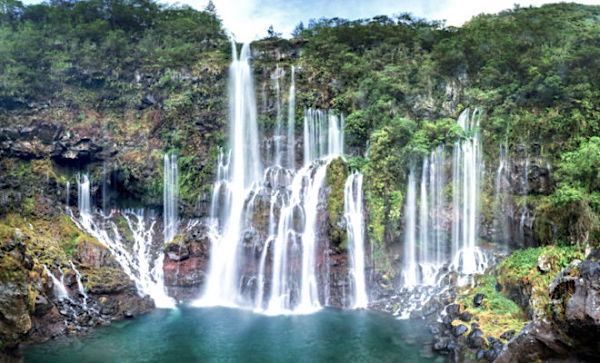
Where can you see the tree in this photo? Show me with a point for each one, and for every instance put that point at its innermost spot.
(211, 8)
(298, 30)
(271, 33)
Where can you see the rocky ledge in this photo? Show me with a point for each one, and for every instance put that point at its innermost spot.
(46, 293)
(568, 329)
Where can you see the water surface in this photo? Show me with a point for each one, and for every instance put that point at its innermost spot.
(231, 335)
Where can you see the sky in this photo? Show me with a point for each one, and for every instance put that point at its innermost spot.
(249, 19)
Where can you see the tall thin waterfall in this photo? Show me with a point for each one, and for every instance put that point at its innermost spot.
(139, 261)
(170, 196)
(278, 135)
(241, 173)
(353, 211)
(421, 268)
(426, 246)
(411, 269)
(437, 204)
(466, 176)
(323, 135)
(501, 186)
(291, 157)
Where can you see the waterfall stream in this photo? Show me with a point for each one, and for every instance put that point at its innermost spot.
(355, 226)
(426, 244)
(142, 261)
(170, 196)
(269, 252)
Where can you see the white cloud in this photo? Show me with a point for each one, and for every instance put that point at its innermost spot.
(250, 19)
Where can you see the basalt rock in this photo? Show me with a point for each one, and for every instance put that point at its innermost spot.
(49, 140)
(15, 321)
(186, 263)
(570, 330)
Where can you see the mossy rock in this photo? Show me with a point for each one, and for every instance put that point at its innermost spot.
(337, 172)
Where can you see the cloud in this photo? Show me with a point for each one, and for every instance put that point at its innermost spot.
(250, 19)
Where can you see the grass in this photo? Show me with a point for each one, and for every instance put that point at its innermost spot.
(498, 313)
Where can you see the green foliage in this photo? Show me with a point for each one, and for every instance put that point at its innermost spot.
(524, 263)
(84, 43)
(337, 172)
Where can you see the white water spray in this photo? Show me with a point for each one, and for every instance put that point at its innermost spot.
(170, 196)
(355, 227)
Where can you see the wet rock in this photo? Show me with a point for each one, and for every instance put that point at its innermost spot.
(15, 321)
(478, 300)
(459, 330)
(453, 310)
(475, 339)
(544, 263)
(93, 255)
(42, 305)
(508, 335)
(441, 343)
(465, 316)
(571, 331)
(480, 354)
(177, 251)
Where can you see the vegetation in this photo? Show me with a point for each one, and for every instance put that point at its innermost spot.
(516, 278)
(402, 81)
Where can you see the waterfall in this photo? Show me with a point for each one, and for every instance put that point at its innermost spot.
(278, 135)
(68, 192)
(60, 291)
(138, 261)
(437, 204)
(291, 158)
(170, 196)
(426, 246)
(410, 271)
(424, 215)
(466, 176)
(501, 220)
(104, 189)
(80, 285)
(353, 211)
(236, 179)
(323, 135)
(268, 252)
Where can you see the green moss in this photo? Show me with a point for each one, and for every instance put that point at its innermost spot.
(337, 172)
(177, 239)
(497, 314)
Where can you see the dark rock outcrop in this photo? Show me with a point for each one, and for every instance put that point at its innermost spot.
(186, 263)
(570, 330)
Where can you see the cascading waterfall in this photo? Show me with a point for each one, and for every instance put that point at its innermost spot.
(80, 285)
(291, 158)
(278, 135)
(437, 204)
(139, 262)
(60, 291)
(426, 247)
(410, 273)
(68, 194)
(466, 176)
(274, 263)
(524, 192)
(170, 196)
(501, 220)
(323, 135)
(355, 227)
(235, 182)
